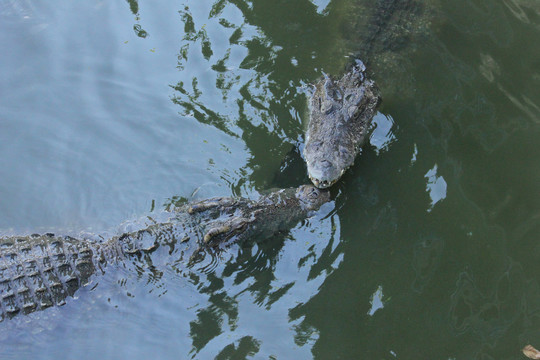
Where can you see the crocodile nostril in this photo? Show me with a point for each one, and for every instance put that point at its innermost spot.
(314, 193)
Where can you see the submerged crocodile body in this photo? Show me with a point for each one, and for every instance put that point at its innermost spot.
(40, 271)
(386, 35)
(341, 112)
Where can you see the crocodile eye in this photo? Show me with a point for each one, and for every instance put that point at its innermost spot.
(313, 193)
(354, 112)
(328, 109)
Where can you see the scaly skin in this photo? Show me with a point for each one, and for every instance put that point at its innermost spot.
(340, 115)
(40, 271)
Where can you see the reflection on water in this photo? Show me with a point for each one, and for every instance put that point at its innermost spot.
(376, 301)
(382, 136)
(253, 70)
(430, 249)
(134, 7)
(436, 186)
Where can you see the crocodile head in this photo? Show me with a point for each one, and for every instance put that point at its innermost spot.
(229, 220)
(340, 115)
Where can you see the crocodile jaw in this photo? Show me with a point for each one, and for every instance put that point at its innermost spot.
(322, 178)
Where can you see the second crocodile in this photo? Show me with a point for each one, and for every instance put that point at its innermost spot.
(40, 271)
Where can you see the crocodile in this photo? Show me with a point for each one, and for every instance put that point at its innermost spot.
(41, 271)
(341, 112)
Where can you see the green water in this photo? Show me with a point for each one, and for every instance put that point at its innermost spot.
(109, 110)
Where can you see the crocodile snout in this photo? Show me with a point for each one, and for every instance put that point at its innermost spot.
(323, 173)
(311, 197)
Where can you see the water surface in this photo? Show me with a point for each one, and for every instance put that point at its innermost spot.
(110, 110)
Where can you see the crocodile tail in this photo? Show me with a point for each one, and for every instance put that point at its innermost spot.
(40, 271)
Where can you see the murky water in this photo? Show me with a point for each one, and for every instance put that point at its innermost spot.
(109, 110)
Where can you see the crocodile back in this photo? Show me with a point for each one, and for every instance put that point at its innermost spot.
(40, 271)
